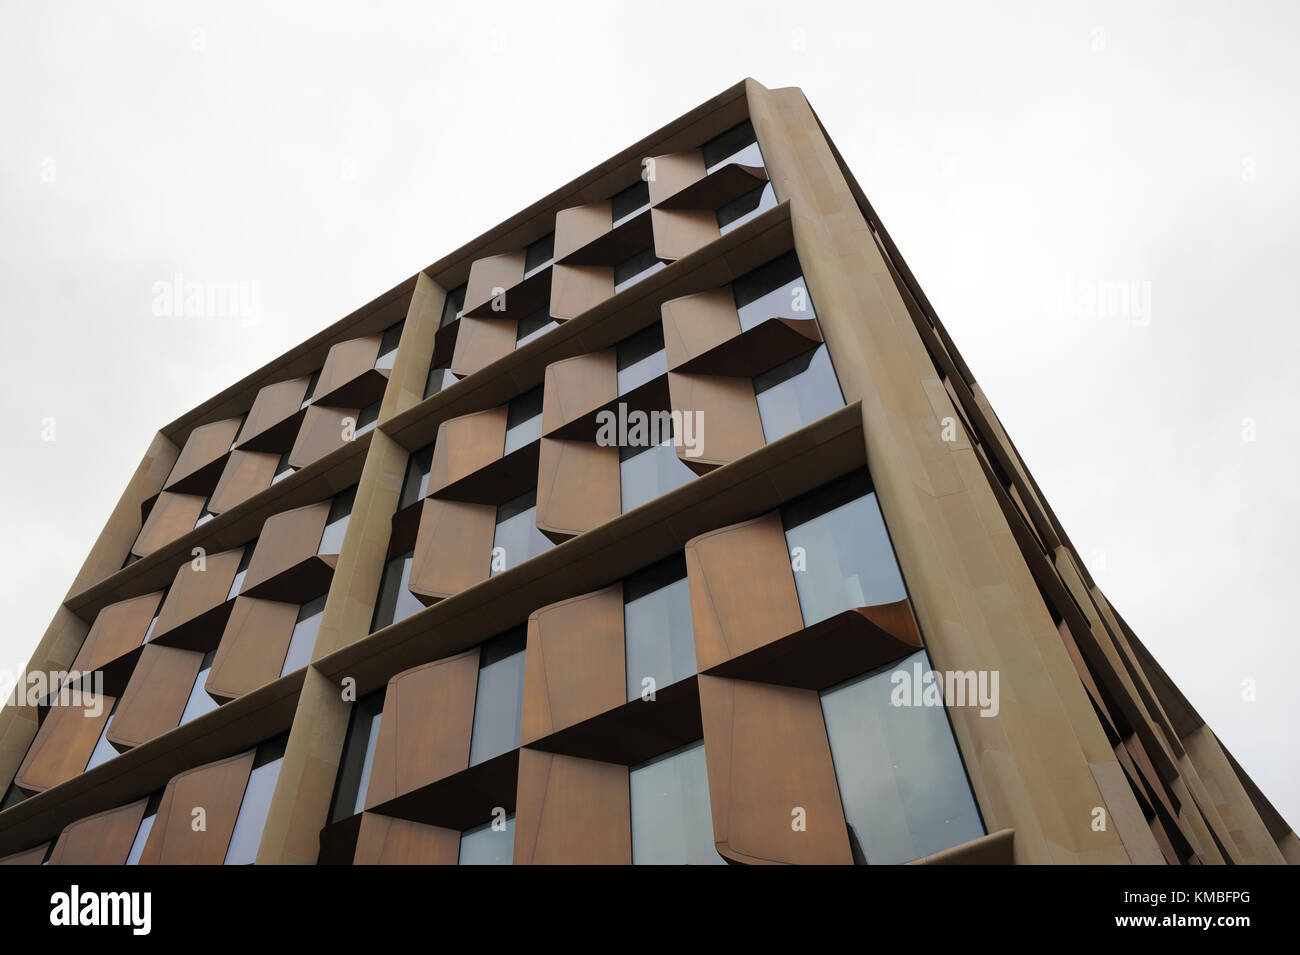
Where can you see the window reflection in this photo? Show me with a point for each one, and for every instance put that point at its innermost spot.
(395, 601)
(797, 393)
(657, 625)
(672, 822)
(358, 756)
(250, 822)
(492, 843)
(517, 537)
(199, 701)
(305, 631)
(647, 473)
(499, 701)
(641, 358)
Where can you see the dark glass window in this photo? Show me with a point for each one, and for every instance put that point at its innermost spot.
(539, 255)
(303, 641)
(634, 269)
(145, 827)
(358, 756)
(104, 750)
(841, 551)
(336, 525)
(657, 626)
(774, 290)
(452, 305)
(235, 585)
(235, 440)
(13, 797)
(624, 205)
(797, 393)
(367, 419)
(243, 566)
(205, 516)
(283, 469)
(499, 701)
(388, 345)
(524, 420)
(440, 378)
(901, 779)
(517, 537)
(250, 822)
(199, 701)
(641, 358)
(534, 326)
(740, 210)
(311, 389)
(416, 482)
(738, 144)
(647, 473)
(489, 845)
(395, 601)
(672, 821)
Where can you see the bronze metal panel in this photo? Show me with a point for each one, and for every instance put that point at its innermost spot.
(831, 651)
(579, 226)
(575, 666)
(172, 516)
(287, 539)
(155, 698)
(246, 473)
(346, 362)
(33, 856)
(425, 731)
(717, 189)
(679, 232)
(673, 173)
(578, 487)
(732, 426)
(761, 348)
(493, 272)
(385, 840)
(578, 288)
(102, 839)
(273, 416)
(518, 301)
(453, 548)
(742, 589)
(195, 594)
(997, 848)
(461, 800)
(252, 648)
(572, 811)
(217, 789)
(696, 324)
(768, 756)
(480, 342)
(497, 482)
(616, 245)
(651, 398)
(578, 386)
(118, 629)
(206, 445)
(321, 432)
(63, 744)
(466, 444)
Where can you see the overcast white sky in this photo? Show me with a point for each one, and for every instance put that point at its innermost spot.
(1030, 165)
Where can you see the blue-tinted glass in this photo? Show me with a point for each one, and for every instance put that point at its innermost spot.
(199, 702)
(773, 290)
(499, 702)
(141, 837)
(484, 845)
(368, 763)
(524, 420)
(395, 601)
(737, 145)
(336, 525)
(797, 393)
(517, 537)
(303, 640)
(650, 472)
(901, 779)
(657, 624)
(104, 750)
(252, 814)
(672, 822)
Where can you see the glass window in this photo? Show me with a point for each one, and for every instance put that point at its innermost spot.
(358, 756)
(303, 641)
(283, 469)
(489, 845)
(634, 269)
(499, 702)
(205, 516)
(163, 599)
(738, 144)
(523, 421)
(367, 419)
(416, 482)
(440, 378)
(774, 290)
(395, 601)
(13, 797)
(311, 389)
(535, 326)
(657, 625)
(388, 345)
(104, 750)
(539, 255)
(672, 821)
(236, 585)
(641, 358)
(797, 393)
(235, 440)
(142, 833)
(901, 779)
(627, 203)
(250, 822)
(336, 525)
(199, 701)
(452, 305)
(517, 537)
(647, 473)
(845, 556)
(740, 210)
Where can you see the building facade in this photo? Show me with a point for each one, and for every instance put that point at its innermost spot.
(662, 523)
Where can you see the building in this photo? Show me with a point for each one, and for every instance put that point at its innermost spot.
(654, 525)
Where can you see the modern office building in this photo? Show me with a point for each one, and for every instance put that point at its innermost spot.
(658, 524)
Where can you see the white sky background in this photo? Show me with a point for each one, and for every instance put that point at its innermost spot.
(1021, 159)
